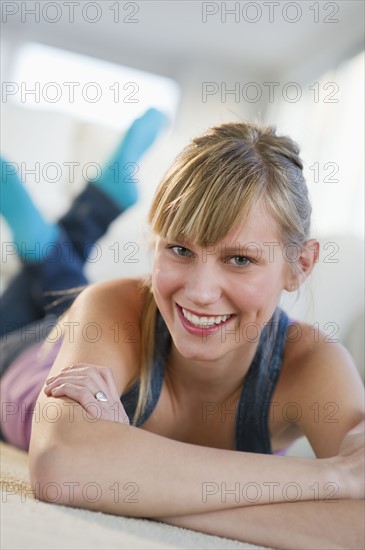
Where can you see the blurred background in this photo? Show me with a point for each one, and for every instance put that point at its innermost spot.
(76, 74)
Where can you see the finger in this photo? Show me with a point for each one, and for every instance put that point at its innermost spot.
(63, 371)
(97, 373)
(78, 369)
(94, 377)
(79, 380)
(71, 380)
(88, 384)
(74, 370)
(104, 378)
(96, 409)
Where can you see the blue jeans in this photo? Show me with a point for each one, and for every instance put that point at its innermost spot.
(28, 307)
(29, 297)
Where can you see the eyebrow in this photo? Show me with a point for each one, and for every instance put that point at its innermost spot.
(237, 249)
(240, 250)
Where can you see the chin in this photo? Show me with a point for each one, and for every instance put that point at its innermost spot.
(203, 351)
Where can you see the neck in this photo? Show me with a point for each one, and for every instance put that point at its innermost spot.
(219, 380)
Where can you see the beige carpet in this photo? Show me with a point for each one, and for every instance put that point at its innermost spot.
(29, 524)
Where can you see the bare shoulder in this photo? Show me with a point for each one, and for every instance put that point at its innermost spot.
(320, 378)
(306, 346)
(102, 327)
(115, 296)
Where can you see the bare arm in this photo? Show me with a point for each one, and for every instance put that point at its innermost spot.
(125, 470)
(327, 390)
(140, 474)
(319, 525)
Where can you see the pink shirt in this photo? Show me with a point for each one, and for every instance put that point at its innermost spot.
(20, 387)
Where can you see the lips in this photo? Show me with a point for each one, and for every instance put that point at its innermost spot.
(204, 321)
(202, 324)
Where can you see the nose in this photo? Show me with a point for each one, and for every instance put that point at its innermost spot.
(203, 285)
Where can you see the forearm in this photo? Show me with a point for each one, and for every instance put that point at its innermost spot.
(288, 526)
(141, 474)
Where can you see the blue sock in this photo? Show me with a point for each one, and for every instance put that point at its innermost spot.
(119, 175)
(31, 232)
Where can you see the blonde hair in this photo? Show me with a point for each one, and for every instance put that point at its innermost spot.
(210, 188)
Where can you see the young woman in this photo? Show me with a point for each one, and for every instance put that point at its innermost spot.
(167, 396)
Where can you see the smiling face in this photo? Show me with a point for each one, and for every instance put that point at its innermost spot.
(215, 299)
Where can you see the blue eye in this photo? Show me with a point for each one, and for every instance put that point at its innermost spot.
(179, 250)
(241, 261)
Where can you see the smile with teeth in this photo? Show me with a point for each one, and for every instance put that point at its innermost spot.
(204, 322)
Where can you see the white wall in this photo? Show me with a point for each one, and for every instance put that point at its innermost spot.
(44, 137)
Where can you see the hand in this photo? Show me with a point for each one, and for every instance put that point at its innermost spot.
(81, 382)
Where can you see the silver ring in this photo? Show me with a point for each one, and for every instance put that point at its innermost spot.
(100, 396)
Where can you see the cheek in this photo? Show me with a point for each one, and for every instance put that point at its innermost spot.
(249, 297)
(165, 279)
(259, 293)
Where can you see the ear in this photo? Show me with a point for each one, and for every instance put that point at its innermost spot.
(308, 257)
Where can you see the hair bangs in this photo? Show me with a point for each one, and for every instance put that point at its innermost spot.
(202, 203)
